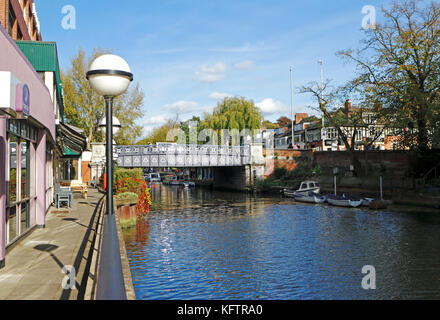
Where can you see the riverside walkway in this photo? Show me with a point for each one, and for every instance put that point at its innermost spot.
(34, 267)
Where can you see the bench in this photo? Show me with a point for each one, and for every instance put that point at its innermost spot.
(63, 195)
(80, 188)
(77, 187)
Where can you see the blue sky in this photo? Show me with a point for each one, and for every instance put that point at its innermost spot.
(188, 54)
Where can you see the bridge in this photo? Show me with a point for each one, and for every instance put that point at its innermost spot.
(183, 156)
(233, 166)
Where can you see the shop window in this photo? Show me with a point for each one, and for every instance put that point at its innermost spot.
(18, 179)
(12, 223)
(12, 185)
(70, 169)
(24, 218)
(25, 166)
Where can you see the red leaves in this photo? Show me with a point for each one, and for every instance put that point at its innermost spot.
(139, 187)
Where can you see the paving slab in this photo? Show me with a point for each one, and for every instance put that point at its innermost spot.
(33, 269)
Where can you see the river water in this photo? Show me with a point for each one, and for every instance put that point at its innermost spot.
(203, 244)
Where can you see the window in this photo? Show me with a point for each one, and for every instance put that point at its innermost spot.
(19, 172)
(25, 159)
(12, 185)
(11, 22)
(70, 169)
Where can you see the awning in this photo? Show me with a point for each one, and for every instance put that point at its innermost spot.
(71, 141)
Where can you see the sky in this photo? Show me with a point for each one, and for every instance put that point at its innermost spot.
(189, 54)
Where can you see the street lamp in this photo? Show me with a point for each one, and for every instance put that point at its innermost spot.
(109, 75)
(291, 103)
(116, 125)
(322, 88)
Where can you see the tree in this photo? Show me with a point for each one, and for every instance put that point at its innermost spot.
(399, 65)
(284, 122)
(269, 125)
(85, 109)
(159, 134)
(349, 120)
(233, 113)
(185, 126)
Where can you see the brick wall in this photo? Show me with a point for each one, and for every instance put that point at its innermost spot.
(371, 163)
(394, 163)
(21, 22)
(281, 160)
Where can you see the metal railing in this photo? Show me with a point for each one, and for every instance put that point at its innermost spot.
(111, 284)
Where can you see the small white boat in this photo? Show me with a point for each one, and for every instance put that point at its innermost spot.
(189, 184)
(367, 201)
(305, 188)
(311, 197)
(344, 201)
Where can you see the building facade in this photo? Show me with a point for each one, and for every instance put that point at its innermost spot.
(27, 145)
(20, 19)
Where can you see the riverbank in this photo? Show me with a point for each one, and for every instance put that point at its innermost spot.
(401, 201)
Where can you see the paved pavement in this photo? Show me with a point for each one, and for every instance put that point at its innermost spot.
(34, 266)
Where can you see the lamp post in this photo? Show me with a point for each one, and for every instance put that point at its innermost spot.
(322, 89)
(115, 130)
(291, 103)
(109, 75)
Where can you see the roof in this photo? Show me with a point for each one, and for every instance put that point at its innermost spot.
(44, 57)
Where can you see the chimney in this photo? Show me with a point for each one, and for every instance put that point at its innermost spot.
(347, 106)
(300, 116)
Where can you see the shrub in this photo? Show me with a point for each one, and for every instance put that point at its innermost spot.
(140, 188)
(280, 172)
(121, 174)
(127, 195)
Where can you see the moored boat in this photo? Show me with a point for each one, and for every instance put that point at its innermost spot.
(189, 184)
(304, 188)
(311, 197)
(367, 201)
(343, 201)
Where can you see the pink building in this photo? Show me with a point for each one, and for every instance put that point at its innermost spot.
(27, 144)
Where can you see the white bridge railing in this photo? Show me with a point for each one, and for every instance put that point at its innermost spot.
(183, 156)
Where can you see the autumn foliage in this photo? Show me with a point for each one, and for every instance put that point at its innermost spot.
(139, 187)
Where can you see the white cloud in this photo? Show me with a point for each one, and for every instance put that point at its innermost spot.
(219, 96)
(156, 120)
(271, 106)
(182, 106)
(211, 74)
(149, 124)
(244, 65)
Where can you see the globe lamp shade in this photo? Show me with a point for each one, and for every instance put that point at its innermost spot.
(116, 125)
(109, 75)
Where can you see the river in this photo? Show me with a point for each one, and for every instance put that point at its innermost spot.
(203, 244)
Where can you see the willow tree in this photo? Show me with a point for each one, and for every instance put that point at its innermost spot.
(399, 62)
(85, 109)
(233, 114)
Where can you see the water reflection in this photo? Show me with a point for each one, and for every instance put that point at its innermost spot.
(198, 244)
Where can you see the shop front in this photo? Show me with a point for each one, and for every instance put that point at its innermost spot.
(27, 144)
